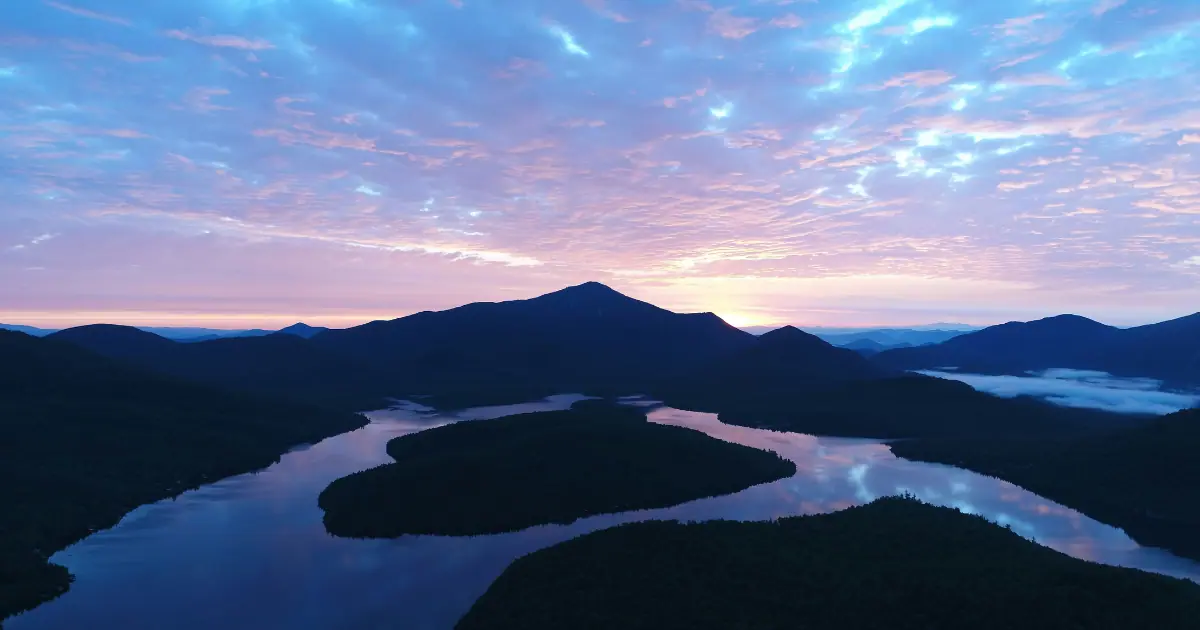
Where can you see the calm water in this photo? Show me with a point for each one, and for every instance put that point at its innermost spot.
(251, 552)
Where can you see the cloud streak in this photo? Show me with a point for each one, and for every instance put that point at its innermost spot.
(861, 163)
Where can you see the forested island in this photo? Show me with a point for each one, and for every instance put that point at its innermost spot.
(1141, 479)
(551, 467)
(895, 563)
(84, 440)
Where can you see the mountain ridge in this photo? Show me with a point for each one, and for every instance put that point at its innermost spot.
(1167, 351)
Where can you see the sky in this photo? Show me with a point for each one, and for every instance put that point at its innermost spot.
(237, 163)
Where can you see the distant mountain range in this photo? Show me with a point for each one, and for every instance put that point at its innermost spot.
(868, 341)
(1168, 351)
(590, 338)
(186, 334)
(280, 365)
(143, 416)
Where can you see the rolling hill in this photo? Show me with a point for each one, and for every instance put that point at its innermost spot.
(279, 365)
(84, 439)
(1168, 351)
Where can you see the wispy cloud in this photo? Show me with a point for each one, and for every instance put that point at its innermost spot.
(87, 13)
(221, 41)
(885, 161)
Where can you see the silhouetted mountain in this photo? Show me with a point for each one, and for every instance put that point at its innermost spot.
(280, 365)
(201, 334)
(867, 347)
(913, 336)
(582, 338)
(1168, 351)
(28, 330)
(914, 406)
(780, 366)
(1140, 479)
(891, 337)
(117, 342)
(84, 439)
(303, 330)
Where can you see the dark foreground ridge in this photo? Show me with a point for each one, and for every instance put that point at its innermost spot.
(913, 406)
(551, 467)
(896, 564)
(83, 440)
(1141, 479)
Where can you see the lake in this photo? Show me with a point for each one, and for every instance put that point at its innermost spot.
(251, 551)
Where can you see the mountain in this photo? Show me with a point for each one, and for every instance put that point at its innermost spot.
(780, 366)
(886, 337)
(586, 338)
(303, 330)
(891, 337)
(280, 365)
(124, 343)
(84, 439)
(1169, 351)
(28, 330)
(867, 347)
(199, 334)
(914, 406)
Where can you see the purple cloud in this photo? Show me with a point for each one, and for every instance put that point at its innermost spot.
(867, 162)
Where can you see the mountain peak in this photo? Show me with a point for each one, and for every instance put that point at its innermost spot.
(592, 288)
(1069, 319)
(789, 334)
(110, 331)
(587, 295)
(300, 329)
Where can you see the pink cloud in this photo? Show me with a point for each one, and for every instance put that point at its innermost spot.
(1104, 6)
(1017, 61)
(601, 8)
(200, 99)
(582, 122)
(221, 41)
(92, 15)
(283, 102)
(105, 50)
(729, 26)
(790, 20)
(924, 78)
(1038, 79)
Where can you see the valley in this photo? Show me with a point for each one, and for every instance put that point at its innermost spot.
(564, 469)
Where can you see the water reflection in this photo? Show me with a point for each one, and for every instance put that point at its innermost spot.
(251, 552)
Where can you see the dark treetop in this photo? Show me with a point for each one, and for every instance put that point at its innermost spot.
(895, 564)
(279, 365)
(83, 440)
(552, 467)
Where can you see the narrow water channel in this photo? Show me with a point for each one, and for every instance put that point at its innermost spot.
(251, 552)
